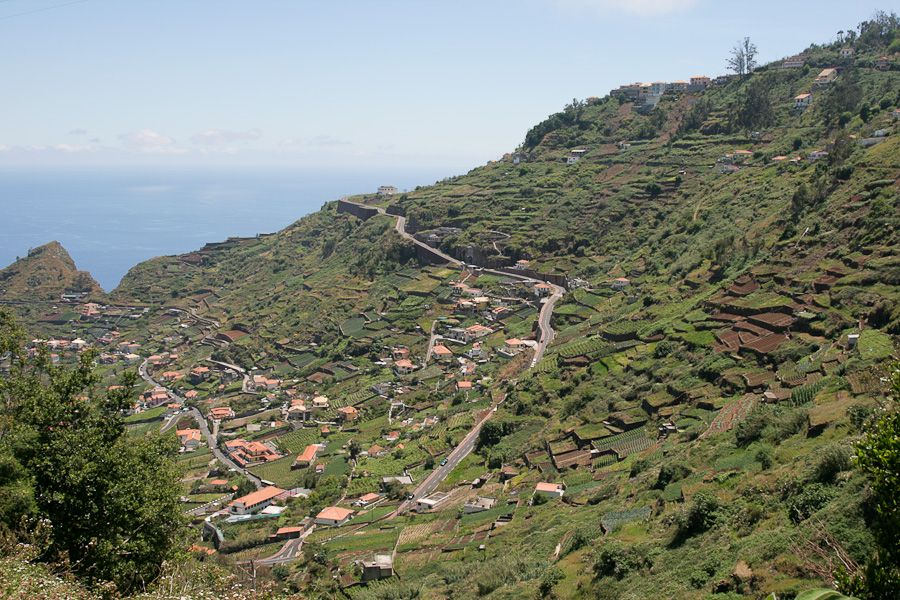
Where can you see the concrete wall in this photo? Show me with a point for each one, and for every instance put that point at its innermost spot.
(357, 210)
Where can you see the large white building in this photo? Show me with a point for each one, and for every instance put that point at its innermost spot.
(255, 501)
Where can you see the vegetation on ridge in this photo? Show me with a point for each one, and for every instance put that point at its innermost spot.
(720, 356)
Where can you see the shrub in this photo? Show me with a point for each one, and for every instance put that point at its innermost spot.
(551, 577)
(616, 560)
(670, 473)
(765, 456)
(810, 500)
(700, 516)
(664, 348)
(751, 428)
(829, 461)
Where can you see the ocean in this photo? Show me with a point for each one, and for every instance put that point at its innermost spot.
(111, 219)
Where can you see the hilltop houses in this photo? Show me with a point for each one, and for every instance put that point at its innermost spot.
(794, 62)
(221, 412)
(700, 82)
(620, 284)
(575, 156)
(307, 457)
(542, 289)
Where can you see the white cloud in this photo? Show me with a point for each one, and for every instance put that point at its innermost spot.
(218, 151)
(638, 7)
(146, 137)
(160, 150)
(217, 136)
(78, 131)
(319, 140)
(5, 148)
(68, 148)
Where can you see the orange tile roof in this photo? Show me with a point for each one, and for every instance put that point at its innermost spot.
(286, 530)
(309, 454)
(547, 487)
(267, 493)
(334, 513)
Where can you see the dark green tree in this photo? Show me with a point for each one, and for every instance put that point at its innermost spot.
(111, 501)
(754, 108)
(878, 456)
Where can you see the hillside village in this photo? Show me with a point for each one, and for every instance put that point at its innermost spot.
(570, 347)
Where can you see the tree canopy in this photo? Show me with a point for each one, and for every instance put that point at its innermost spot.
(878, 456)
(108, 503)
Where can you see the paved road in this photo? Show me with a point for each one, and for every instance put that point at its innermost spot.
(201, 423)
(432, 338)
(220, 456)
(545, 332)
(201, 510)
(288, 552)
(441, 472)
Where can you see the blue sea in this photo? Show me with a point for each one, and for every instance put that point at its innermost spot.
(110, 219)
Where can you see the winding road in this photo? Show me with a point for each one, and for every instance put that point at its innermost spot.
(545, 331)
(201, 424)
(544, 338)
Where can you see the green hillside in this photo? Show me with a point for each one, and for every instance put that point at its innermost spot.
(727, 333)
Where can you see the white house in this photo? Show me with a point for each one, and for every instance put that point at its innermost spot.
(794, 62)
(437, 498)
(479, 504)
(802, 101)
(542, 289)
(404, 367)
(333, 515)
(575, 156)
(386, 190)
(553, 490)
(847, 52)
(255, 501)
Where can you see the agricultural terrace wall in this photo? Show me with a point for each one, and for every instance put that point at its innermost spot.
(357, 210)
(426, 254)
(553, 278)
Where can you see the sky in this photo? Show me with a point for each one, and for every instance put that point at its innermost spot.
(349, 82)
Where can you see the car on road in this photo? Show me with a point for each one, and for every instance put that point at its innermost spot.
(443, 462)
(409, 497)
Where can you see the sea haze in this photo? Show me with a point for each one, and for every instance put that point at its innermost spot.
(110, 219)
